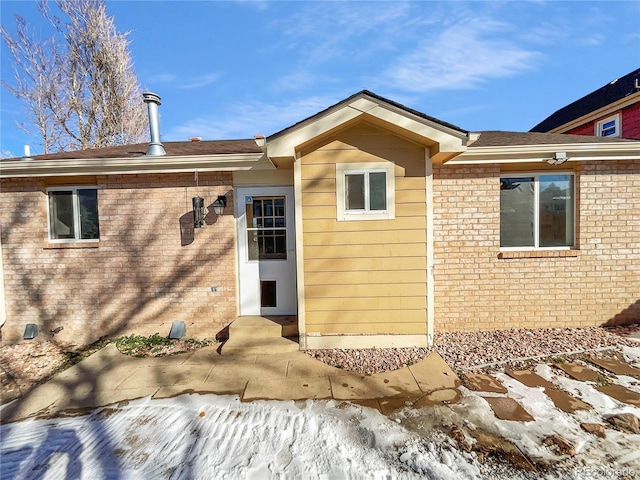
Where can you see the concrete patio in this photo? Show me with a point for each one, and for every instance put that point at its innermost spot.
(109, 377)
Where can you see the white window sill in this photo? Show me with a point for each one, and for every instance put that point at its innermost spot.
(356, 216)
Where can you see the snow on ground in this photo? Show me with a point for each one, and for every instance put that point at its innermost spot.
(209, 436)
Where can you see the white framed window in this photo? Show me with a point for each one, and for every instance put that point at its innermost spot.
(537, 211)
(365, 191)
(609, 127)
(73, 214)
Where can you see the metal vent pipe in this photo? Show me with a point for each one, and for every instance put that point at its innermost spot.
(153, 102)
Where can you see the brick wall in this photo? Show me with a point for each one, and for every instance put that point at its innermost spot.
(478, 288)
(149, 268)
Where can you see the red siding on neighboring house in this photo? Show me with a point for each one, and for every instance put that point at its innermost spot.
(586, 129)
(630, 120)
(147, 270)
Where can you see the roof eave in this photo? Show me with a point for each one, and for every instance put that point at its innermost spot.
(128, 165)
(542, 153)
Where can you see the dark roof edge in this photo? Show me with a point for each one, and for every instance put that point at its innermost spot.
(614, 90)
(367, 93)
(135, 150)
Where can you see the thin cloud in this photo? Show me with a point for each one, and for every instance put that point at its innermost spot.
(329, 30)
(593, 40)
(162, 78)
(301, 80)
(259, 5)
(461, 57)
(186, 83)
(294, 81)
(246, 119)
(201, 81)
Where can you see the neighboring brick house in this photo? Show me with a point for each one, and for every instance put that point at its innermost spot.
(375, 224)
(610, 111)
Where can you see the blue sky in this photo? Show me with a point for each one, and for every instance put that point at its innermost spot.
(235, 69)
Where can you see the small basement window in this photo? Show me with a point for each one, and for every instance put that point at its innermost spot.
(365, 191)
(73, 214)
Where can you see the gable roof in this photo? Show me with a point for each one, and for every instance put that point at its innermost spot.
(612, 92)
(361, 94)
(444, 140)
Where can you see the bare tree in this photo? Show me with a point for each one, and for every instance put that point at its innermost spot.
(79, 85)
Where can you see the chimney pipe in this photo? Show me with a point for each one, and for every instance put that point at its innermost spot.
(27, 154)
(153, 101)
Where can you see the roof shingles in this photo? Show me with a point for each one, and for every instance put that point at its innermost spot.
(173, 149)
(611, 92)
(498, 138)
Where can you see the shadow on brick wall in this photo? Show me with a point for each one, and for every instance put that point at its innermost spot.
(628, 316)
(135, 272)
(132, 279)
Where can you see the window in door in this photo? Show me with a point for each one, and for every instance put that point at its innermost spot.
(266, 228)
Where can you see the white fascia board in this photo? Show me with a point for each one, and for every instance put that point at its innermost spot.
(449, 139)
(285, 145)
(425, 129)
(420, 126)
(534, 153)
(143, 164)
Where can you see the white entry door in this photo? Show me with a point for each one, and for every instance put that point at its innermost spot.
(266, 251)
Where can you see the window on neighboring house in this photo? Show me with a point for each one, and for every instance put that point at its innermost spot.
(365, 191)
(537, 211)
(73, 214)
(609, 127)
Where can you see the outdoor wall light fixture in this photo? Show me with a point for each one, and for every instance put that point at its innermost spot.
(219, 204)
(198, 212)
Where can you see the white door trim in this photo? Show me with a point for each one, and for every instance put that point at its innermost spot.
(251, 272)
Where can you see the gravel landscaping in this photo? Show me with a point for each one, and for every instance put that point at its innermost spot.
(474, 350)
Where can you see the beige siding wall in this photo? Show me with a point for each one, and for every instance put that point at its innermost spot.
(477, 288)
(364, 277)
(148, 269)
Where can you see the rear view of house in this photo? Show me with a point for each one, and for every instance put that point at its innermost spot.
(374, 225)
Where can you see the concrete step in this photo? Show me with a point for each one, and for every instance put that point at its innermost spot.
(261, 327)
(258, 346)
